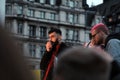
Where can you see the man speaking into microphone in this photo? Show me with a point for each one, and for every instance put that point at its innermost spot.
(54, 47)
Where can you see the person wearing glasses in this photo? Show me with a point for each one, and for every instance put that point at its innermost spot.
(101, 36)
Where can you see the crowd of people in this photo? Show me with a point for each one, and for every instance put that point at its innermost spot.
(98, 60)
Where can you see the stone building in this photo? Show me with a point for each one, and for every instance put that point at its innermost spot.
(109, 12)
(30, 20)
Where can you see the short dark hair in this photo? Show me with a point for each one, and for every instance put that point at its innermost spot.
(81, 64)
(58, 31)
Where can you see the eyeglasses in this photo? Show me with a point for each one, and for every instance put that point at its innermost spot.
(94, 35)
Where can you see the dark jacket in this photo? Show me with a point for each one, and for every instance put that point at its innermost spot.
(46, 59)
(115, 71)
(112, 36)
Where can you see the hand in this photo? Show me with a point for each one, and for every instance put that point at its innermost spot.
(48, 46)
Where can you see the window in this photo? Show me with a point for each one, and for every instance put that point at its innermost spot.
(32, 31)
(76, 4)
(8, 25)
(42, 32)
(32, 50)
(71, 18)
(20, 28)
(72, 34)
(66, 2)
(30, 13)
(69, 34)
(42, 1)
(19, 10)
(47, 2)
(37, 1)
(52, 16)
(97, 20)
(42, 14)
(52, 2)
(75, 35)
(117, 29)
(76, 18)
(71, 3)
(42, 50)
(8, 9)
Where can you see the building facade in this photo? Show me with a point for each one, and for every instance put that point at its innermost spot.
(110, 13)
(30, 20)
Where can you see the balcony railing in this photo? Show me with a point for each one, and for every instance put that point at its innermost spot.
(30, 38)
(72, 42)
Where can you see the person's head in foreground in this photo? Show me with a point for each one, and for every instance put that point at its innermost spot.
(81, 64)
(13, 65)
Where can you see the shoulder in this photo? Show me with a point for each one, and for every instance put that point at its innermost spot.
(113, 45)
(112, 38)
(113, 41)
(63, 44)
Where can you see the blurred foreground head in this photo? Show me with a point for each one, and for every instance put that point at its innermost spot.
(81, 64)
(13, 66)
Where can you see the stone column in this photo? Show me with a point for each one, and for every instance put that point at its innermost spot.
(15, 26)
